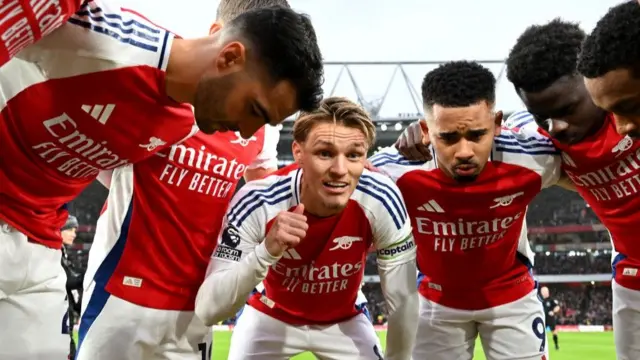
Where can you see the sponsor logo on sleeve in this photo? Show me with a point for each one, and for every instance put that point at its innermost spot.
(230, 237)
(230, 240)
(226, 253)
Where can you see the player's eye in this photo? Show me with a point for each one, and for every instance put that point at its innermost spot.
(475, 136)
(324, 153)
(449, 138)
(355, 155)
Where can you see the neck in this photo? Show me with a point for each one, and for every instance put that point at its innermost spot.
(188, 61)
(312, 204)
(597, 125)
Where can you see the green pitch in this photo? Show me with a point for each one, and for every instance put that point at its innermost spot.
(573, 346)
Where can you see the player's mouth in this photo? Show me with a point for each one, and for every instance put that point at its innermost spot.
(335, 187)
(465, 170)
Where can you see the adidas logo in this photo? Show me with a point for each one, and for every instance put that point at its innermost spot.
(431, 206)
(99, 112)
(292, 254)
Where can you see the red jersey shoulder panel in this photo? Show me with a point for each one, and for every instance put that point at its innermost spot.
(605, 168)
(54, 127)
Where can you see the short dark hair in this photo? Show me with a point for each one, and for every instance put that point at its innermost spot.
(458, 84)
(543, 54)
(230, 9)
(614, 42)
(285, 44)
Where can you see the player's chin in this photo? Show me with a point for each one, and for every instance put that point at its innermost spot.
(207, 127)
(212, 126)
(465, 178)
(336, 202)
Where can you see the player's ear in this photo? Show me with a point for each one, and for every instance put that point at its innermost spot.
(215, 27)
(296, 150)
(498, 121)
(231, 58)
(425, 131)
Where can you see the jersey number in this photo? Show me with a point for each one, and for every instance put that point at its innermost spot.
(206, 353)
(538, 328)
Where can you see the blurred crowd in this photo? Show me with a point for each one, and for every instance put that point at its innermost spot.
(580, 304)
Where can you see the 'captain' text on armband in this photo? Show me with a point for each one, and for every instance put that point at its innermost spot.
(397, 249)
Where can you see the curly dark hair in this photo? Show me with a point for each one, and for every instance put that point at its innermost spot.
(284, 43)
(614, 42)
(543, 54)
(458, 84)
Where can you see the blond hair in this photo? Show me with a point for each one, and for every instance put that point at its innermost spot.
(337, 110)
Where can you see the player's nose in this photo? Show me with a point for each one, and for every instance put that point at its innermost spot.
(339, 166)
(625, 125)
(557, 126)
(465, 150)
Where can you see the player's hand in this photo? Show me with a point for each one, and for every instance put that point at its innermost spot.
(413, 144)
(369, 166)
(288, 229)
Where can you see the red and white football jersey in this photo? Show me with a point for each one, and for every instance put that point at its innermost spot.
(88, 97)
(473, 251)
(163, 215)
(317, 282)
(605, 168)
(23, 22)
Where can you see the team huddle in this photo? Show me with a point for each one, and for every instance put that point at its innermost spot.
(93, 91)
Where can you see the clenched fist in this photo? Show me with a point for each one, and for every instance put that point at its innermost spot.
(287, 231)
(413, 143)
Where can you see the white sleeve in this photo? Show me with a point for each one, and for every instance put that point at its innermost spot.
(391, 163)
(520, 142)
(108, 34)
(361, 299)
(520, 119)
(268, 157)
(104, 177)
(239, 263)
(396, 253)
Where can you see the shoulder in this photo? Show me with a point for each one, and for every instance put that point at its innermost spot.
(265, 196)
(394, 165)
(381, 199)
(371, 181)
(271, 185)
(524, 140)
(390, 156)
(519, 119)
(111, 35)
